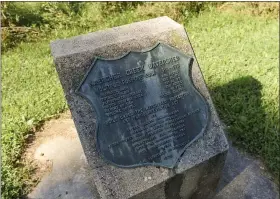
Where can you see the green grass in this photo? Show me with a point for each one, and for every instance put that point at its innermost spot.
(238, 55)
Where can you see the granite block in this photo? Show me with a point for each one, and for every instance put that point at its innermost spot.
(199, 169)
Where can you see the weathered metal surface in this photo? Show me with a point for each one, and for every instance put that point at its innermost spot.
(147, 107)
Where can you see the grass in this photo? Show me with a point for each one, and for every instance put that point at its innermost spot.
(238, 55)
(31, 94)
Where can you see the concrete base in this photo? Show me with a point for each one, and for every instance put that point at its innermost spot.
(69, 176)
(245, 177)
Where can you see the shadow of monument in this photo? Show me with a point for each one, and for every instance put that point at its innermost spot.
(239, 106)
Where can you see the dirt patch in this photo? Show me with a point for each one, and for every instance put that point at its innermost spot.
(36, 159)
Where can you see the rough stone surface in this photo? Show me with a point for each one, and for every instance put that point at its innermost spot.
(73, 58)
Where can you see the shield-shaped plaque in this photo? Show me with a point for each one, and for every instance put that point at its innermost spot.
(148, 110)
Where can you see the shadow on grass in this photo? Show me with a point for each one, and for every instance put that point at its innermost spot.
(240, 107)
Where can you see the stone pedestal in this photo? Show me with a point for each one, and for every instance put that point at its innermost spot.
(198, 171)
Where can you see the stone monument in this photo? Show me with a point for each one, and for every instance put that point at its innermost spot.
(144, 115)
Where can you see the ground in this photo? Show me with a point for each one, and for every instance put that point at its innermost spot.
(64, 171)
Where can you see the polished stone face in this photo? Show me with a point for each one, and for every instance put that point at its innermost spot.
(147, 107)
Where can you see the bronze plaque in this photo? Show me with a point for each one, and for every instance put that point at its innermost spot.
(148, 110)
